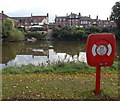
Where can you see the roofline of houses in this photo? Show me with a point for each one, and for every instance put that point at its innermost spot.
(21, 21)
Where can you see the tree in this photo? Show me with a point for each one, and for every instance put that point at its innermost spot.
(115, 14)
(9, 32)
(7, 27)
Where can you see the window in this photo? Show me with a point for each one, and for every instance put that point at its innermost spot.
(83, 22)
(76, 16)
(94, 22)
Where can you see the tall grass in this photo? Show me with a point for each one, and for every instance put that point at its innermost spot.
(60, 67)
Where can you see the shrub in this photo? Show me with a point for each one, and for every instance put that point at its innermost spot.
(7, 27)
(16, 35)
(68, 33)
(35, 34)
(61, 67)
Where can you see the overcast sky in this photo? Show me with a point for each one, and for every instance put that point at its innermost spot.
(102, 8)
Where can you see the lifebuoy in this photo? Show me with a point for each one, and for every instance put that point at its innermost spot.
(102, 48)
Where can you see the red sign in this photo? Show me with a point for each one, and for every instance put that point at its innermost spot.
(101, 49)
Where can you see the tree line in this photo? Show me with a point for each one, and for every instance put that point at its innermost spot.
(77, 33)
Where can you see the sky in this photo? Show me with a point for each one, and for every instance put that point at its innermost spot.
(102, 8)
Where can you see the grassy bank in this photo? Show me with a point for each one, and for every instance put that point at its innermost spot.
(59, 81)
(58, 86)
(61, 67)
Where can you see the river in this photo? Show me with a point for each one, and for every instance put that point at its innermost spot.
(44, 52)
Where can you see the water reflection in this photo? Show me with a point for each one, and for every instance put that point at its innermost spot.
(10, 50)
(43, 52)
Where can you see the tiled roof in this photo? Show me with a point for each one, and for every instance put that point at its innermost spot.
(61, 17)
(38, 18)
(3, 15)
(17, 18)
(85, 18)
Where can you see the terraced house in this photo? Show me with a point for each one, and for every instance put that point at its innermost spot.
(27, 22)
(82, 21)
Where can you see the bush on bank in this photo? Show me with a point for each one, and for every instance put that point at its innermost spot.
(16, 35)
(9, 32)
(68, 33)
(78, 33)
(35, 34)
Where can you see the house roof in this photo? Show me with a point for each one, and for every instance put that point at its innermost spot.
(94, 19)
(18, 18)
(61, 17)
(85, 18)
(38, 18)
(4, 16)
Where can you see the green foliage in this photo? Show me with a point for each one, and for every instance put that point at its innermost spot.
(10, 33)
(68, 33)
(38, 29)
(35, 34)
(22, 29)
(7, 27)
(16, 35)
(77, 33)
(115, 15)
(60, 67)
(95, 29)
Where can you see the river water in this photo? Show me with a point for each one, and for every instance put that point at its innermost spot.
(44, 52)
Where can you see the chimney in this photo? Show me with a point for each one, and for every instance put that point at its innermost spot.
(97, 17)
(47, 14)
(31, 14)
(107, 18)
(79, 14)
(2, 12)
(89, 16)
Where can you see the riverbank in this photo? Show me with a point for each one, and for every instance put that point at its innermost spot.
(60, 67)
(59, 81)
(78, 86)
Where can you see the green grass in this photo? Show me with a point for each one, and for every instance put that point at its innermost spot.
(59, 81)
(61, 67)
(59, 86)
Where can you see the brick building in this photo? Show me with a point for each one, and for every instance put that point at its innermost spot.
(82, 21)
(3, 17)
(31, 21)
(39, 21)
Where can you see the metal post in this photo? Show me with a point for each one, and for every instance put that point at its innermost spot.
(97, 80)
